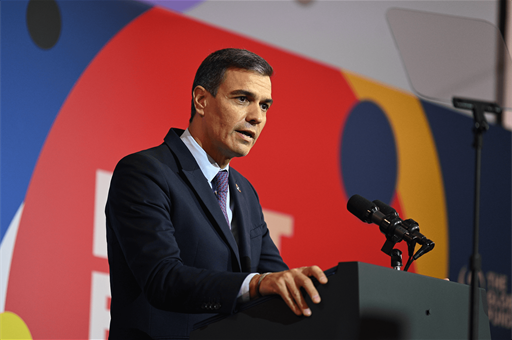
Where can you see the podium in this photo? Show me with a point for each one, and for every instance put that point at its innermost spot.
(360, 301)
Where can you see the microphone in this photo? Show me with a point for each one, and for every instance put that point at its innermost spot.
(409, 224)
(390, 224)
(386, 209)
(369, 212)
(363, 209)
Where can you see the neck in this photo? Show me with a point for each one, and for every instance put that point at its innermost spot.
(221, 161)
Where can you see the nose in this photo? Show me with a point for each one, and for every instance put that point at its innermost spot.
(255, 114)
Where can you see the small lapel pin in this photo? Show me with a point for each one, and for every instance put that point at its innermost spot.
(238, 188)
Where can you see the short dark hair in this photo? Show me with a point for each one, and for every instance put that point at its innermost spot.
(210, 73)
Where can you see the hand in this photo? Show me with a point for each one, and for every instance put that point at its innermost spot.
(288, 283)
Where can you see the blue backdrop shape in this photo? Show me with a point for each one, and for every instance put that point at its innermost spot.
(35, 82)
(368, 154)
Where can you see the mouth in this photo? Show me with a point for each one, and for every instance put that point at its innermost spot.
(248, 133)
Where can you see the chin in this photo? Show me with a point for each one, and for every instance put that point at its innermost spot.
(241, 152)
(241, 149)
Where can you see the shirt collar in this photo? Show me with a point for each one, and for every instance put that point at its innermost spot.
(208, 166)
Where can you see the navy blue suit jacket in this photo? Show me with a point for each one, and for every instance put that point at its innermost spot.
(173, 259)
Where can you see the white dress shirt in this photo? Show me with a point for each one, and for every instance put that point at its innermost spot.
(210, 168)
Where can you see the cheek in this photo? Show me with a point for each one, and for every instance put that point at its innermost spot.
(220, 124)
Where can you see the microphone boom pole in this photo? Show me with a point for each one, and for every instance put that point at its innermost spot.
(475, 263)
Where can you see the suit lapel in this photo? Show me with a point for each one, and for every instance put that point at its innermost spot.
(206, 195)
(200, 185)
(240, 214)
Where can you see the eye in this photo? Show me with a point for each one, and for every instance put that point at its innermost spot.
(264, 106)
(242, 99)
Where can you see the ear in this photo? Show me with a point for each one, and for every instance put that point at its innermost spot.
(200, 97)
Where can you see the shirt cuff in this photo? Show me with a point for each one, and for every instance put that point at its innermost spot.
(244, 294)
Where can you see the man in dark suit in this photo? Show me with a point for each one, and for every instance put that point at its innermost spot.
(184, 241)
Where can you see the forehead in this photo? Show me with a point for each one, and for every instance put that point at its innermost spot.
(241, 79)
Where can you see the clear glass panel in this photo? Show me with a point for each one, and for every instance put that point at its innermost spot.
(447, 56)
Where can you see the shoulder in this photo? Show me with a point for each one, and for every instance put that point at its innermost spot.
(155, 156)
(170, 153)
(145, 170)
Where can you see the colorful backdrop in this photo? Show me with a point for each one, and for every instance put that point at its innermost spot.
(85, 83)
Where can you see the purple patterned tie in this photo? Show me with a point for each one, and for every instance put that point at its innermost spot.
(220, 189)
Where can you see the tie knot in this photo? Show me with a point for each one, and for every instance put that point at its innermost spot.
(220, 182)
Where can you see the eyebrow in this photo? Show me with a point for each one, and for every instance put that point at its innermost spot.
(251, 95)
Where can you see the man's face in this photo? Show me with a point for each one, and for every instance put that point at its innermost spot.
(235, 117)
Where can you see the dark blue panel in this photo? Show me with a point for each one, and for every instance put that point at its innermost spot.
(36, 81)
(368, 154)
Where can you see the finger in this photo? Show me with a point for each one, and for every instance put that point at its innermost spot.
(276, 283)
(289, 299)
(298, 298)
(316, 272)
(308, 285)
(310, 289)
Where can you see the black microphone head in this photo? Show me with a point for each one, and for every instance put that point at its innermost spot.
(361, 208)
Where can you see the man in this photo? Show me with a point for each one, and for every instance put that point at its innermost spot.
(182, 242)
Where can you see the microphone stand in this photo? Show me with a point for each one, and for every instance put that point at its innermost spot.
(396, 259)
(480, 126)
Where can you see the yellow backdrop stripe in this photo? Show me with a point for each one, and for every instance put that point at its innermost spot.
(419, 180)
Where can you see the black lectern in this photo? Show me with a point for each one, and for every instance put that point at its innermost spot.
(360, 301)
